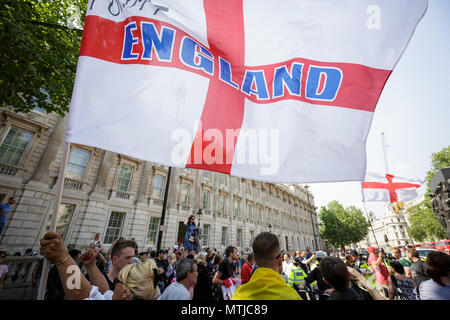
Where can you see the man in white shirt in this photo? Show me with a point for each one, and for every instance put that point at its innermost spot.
(186, 278)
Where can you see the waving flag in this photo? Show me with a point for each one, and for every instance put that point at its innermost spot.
(390, 188)
(280, 91)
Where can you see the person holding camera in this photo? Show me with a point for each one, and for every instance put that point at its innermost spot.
(376, 262)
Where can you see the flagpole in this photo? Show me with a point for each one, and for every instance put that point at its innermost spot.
(163, 214)
(59, 190)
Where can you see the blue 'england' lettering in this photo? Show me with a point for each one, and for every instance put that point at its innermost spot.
(256, 77)
(152, 40)
(129, 41)
(333, 78)
(225, 72)
(292, 80)
(196, 56)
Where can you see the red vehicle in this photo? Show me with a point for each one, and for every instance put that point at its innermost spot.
(442, 245)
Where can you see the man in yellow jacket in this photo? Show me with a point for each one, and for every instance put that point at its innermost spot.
(266, 283)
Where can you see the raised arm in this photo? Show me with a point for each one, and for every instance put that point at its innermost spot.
(97, 278)
(52, 247)
(216, 280)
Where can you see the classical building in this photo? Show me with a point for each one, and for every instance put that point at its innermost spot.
(119, 196)
(388, 231)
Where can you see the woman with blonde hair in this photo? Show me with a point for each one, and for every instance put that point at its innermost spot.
(139, 280)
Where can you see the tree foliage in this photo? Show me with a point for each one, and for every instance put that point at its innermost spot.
(40, 45)
(342, 226)
(423, 222)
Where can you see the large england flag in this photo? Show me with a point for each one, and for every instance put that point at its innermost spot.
(277, 91)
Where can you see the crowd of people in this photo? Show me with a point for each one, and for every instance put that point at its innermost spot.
(188, 272)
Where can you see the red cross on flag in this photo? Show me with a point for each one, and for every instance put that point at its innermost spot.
(390, 188)
(278, 91)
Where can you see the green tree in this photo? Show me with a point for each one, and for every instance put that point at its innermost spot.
(423, 222)
(40, 45)
(342, 226)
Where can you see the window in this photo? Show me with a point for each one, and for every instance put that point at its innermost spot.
(249, 211)
(14, 146)
(222, 204)
(205, 235)
(248, 188)
(152, 234)
(158, 184)
(236, 184)
(65, 213)
(205, 199)
(207, 174)
(224, 236)
(237, 204)
(223, 180)
(258, 216)
(252, 236)
(187, 169)
(77, 164)
(258, 193)
(114, 227)
(185, 191)
(125, 176)
(239, 238)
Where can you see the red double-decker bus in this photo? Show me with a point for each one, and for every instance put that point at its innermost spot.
(441, 245)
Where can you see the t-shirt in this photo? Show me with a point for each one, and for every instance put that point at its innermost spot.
(176, 291)
(4, 210)
(405, 262)
(246, 273)
(430, 290)
(347, 294)
(381, 272)
(226, 269)
(418, 269)
(3, 269)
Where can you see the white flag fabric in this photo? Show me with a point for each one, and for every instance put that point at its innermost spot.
(390, 188)
(277, 91)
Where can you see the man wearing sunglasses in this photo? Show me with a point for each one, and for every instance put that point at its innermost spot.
(266, 282)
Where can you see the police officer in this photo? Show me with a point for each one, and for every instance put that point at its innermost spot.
(296, 276)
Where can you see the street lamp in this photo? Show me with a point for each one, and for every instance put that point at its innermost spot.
(199, 214)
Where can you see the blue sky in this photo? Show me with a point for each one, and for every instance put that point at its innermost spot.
(413, 111)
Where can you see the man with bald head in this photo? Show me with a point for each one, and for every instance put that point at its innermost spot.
(266, 282)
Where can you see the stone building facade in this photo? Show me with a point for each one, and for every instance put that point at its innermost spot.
(390, 231)
(118, 196)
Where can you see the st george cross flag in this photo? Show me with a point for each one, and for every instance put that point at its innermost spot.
(390, 188)
(277, 91)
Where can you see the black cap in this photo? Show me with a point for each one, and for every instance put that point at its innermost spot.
(297, 261)
(353, 253)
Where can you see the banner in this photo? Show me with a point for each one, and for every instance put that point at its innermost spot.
(390, 188)
(267, 90)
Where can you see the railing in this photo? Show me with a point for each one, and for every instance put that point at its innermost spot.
(123, 195)
(17, 284)
(72, 183)
(8, 169)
